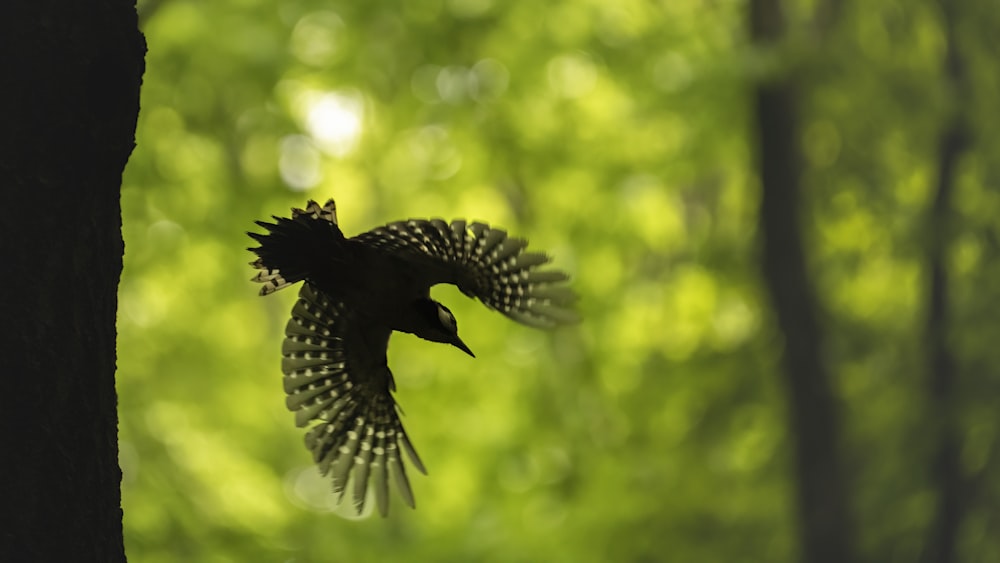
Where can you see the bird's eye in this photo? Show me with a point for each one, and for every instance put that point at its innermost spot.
(447, 319)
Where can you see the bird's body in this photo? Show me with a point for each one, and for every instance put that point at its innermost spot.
(359, 290)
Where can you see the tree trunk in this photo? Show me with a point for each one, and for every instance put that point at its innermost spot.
(946, 463)
(71, 75)
(824, 522)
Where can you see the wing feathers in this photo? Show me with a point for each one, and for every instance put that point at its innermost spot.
(358, 433)
(361, 468)
(484, 263)
(410, 451)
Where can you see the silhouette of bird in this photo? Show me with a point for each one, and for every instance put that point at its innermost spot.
(359, 290)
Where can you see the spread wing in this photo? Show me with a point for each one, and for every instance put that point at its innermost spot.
(484, 263)
(336, 376)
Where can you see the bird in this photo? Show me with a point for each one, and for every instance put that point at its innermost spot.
(356, 292)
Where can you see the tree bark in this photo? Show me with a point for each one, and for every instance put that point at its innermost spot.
(71, 75)
(825, 526)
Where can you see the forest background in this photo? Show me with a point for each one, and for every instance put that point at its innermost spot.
(782, 224)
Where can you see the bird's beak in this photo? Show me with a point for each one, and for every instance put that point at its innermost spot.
(461, 346)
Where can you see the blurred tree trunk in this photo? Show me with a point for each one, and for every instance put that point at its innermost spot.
(70, 97)
(946, 467)
(825, 526)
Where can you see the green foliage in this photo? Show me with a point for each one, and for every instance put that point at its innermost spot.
(615, 136)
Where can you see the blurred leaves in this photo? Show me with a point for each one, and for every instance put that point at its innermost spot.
(613, 135)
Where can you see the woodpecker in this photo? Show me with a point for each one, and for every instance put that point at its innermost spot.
(356, 292)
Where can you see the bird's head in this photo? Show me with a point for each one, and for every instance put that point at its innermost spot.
(439, 325)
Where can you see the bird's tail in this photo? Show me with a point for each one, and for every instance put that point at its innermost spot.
(293, 249)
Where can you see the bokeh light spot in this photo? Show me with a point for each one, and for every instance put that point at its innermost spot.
(299, 163)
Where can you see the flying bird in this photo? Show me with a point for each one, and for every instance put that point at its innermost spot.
(356, 292)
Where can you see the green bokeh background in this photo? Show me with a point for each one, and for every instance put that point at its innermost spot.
(617, 137)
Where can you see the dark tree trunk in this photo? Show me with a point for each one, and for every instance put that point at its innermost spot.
(71, 73)
(825, 526)
(946, 467)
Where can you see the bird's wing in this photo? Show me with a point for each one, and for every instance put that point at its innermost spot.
(484, 263)
(336, 375)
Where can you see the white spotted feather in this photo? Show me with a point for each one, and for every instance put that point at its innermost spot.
(484, 263)
(357, 422)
